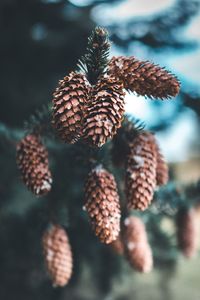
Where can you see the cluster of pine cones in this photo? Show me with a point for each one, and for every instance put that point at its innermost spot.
(145, 170)
(93, 113)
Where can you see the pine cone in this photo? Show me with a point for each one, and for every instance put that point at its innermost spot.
(58, 255)
(187, 232)
(105, 111)
(102, 204)
(136, 245)
(68, 107)
(162, 171)
(32, 161)
(117, 246)
(140, 181)
(144, 78)
(162, 167)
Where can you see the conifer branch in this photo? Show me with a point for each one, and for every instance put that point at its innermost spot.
(95, 61)
(173, 197)
(39, 122)
(9, 136)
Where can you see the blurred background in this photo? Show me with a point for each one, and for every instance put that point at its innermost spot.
(41, 41)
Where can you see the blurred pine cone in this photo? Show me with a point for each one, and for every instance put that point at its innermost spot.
(58, 255)
(32, 161)
(68, 106)
(137, 248)
(105, 111)
(144, 78)
(117, 246)
(141, 165)
(102, 204)
(187, 232)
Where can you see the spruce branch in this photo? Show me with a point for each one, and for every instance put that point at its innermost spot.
(9, 136)
(39, 122)
(95, 61)
(173, 197)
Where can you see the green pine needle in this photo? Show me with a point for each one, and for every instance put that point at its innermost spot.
(95, 61)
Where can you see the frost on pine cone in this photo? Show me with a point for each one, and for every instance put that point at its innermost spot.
(141, 165)
(105, 111)
(68, 107)
(102, 204)
(58, 255)
(187, 232)
(32, 161)
(137, 248)
(144, 78)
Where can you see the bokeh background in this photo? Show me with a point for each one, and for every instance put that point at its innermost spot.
(41, 41)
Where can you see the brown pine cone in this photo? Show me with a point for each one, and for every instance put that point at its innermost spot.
(144, 78)
(58, 255)
(162, 171)
(105, 111)
(117, 246)
(102, 204)
(32, 161)
(162, 167)
(137, 248)
(68, 107)
(141, 165)
(187, 232)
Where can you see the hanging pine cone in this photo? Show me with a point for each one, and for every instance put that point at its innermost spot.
(141, 165)
(117, 246)
(162, 171)
(144, 78)
(102, 204)
(58, 255)
(32, 161)
(136, 245)
(68, 106)
(105, 111)
(162, 167)
(187, 232)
